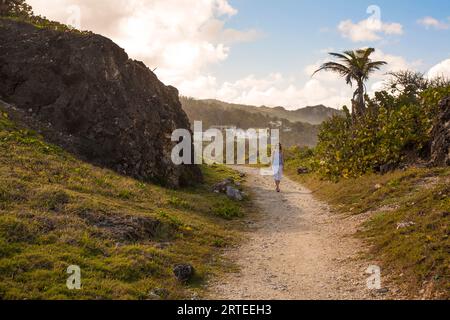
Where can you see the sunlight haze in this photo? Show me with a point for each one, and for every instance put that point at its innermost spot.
(241, 51)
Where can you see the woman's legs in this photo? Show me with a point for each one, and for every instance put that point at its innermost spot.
(277, 177)
(277, 182)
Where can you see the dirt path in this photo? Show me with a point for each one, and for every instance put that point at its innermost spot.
(296, 250)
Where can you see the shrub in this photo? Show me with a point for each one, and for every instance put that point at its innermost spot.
(396, 130)
(179, 203)
(21, 11)
(296, 157)
(15, 8)
(227, 210)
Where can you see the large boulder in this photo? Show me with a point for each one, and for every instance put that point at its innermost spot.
(234, 194)
(440, 147)
(113, 111)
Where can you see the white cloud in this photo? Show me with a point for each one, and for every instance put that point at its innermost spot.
(324, 88)
(274, 90)
(442, 69)
(184, 37)
(394, 63)
(215, 29)
(368, 30)
(223, 7)
(179, 37)
(430, 22)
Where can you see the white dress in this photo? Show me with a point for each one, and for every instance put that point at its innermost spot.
(277, 166)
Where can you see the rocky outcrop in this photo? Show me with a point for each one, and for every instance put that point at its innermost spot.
(440, 147)
(112, 111)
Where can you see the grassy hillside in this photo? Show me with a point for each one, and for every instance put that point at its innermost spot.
(126, 235)
(407, 216)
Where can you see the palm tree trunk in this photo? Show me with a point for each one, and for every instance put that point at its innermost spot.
(361, 101)
(3, 8)
(355, 107)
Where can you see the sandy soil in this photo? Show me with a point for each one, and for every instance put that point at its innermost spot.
(297, 249)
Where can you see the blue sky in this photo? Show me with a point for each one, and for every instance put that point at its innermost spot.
(294, 33)
(263, 52)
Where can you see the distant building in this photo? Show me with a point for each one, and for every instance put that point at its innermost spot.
(276, 124)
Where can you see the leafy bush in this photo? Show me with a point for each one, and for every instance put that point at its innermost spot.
(296, 157)
(15, 8)
(19, 10)
(396, 130)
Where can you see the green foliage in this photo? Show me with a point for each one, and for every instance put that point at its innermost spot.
(10, 133)
(227, 209)
(19, 10)
(15, 8)
(395, 130)
(179, 203)
(296, 157)
(44, 23)
(431, 97)
(409, 83)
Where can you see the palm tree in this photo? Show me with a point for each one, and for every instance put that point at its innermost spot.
(355, 66)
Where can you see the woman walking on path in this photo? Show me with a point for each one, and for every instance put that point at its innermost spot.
(277, 165)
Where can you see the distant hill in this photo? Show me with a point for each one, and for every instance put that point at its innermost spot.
(313, 115)
(292, 130)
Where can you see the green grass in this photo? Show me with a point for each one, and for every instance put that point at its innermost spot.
(419, 255)
(126, 235)
(227, 209)
(43, 23)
